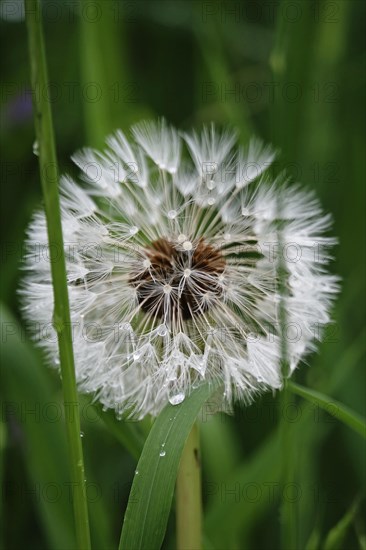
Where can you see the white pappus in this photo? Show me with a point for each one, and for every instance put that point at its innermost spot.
(173, 248)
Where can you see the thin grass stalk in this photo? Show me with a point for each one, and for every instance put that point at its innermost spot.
(288, 517)
(61, 316)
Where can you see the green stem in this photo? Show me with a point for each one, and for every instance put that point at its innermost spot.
(189, 495)
(61, 315)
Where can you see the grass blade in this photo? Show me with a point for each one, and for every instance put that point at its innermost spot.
(336, 536)
(350, 418)
(61, 316)
(153, 486)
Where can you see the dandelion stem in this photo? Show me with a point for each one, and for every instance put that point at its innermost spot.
(61, 320)
(189, 495)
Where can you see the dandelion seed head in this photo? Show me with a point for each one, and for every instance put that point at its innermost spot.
(173, 273)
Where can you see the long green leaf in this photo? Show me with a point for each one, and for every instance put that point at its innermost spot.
(153, 485)
(352, 419)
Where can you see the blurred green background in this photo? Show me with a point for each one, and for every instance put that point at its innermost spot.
(291, 72)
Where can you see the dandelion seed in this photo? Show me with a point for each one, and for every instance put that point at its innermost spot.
(160, 306)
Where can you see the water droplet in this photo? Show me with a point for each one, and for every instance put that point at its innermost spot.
(176, 399)
(134, 230)
(182, 238)
(163, 444)
(136, 472)
(162, 453)
(162, 330)
(187, 245)
(172, 214)
(36, 148)
(211, 185)
(81, 434)
(211, 201)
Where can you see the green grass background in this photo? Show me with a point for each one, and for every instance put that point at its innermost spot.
(290, 72)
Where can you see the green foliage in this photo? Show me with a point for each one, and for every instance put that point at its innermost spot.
(239, 63)
(153, 485)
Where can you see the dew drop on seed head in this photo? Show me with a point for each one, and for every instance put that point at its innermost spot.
(176, 399)
(134, 230)
(211, 201)
(182, 238)
(162, 330)
(187, 245)
(172, 214)
(162, 453)
(211, 185)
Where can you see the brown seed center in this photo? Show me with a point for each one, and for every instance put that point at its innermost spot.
(189, 278)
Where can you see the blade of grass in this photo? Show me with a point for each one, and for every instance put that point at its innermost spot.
(343, 413)
(61, 316)
(288, 509)
(336, 536)
(153, 485)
